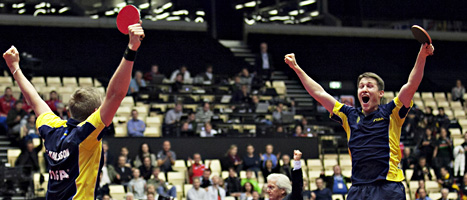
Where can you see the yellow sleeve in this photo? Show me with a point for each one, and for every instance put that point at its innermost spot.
(95, 125)
(49, 119)
(400, 110)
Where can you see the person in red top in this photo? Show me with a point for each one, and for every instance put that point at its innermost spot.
(53, 101)
(197, 168)
(7, 101)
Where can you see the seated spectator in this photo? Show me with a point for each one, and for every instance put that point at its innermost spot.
(280, 132)
(269, 156)
(29, 130)
(444, 194)
(232, 160)
(26, 106)
(136, 127)
(102, 188)
(337, 182)
(285, 168)
(249, 179)
(151, 193)
(205, 179)
(208, 75)
(428, 118)
(172, 118)
(256, 195)
(28, 158)
(241, 96)
(445, 180)
(409, 160)
(166, 157)
(322, 193)
(53, 101)
(196, 193)
(124, 152)
(7, 102)
(458, 92)
(427, 145)
(237, 85)
(144, 151)
(61, 112)
(269, 169)
(197, 168)
(146, 169)
(137, 185)
(149, 76)
(463, 187)
(105, 150)
(106, 197)
(14, 117)
(306, 194)
(108, 174)
(421, 185)
(298, 132)
(204, 114)
(129, 196)
(246, 78)
(177, 85)
(247, 192)
(124, 174)
(215, 192)
(442, 119)
(251, 161)
(421, 171)
(184, 71)
(443, 149)
(160, 185)
(136, 84)
(423, 195)
(277, 114)
(233, 186)
(207, 131)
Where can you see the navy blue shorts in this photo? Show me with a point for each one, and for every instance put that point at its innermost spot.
(380, 190)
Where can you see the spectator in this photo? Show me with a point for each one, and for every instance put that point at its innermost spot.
(233, 185)
(306, 194)
(256, 195)
(421, 171)
(53, 101)
(106, 197)
(428, 118)
(285, 168)
(124, 174)
(108, 174)
(29, 130)
(337, 182)
(264, 63)
(208, 131)
(177, 85)
(151, 196)
(197, 168)
(442, 119)
(166, 157)
(237, 84)
(146, 169)
(247, 192)
(459, 159)
(251, 161)
(279, 112)
(280, 132)
(61, 112)
(149, 76)
(423, 195)
(144, 151)
(299, 132)
(215, 192)
(137, 185)
(196, 193)
(444, 194)
(427, 146)
(445, 180)
(279, 187)
(232, 160)
(14, 117)
(160, 185)
(208, 75)
(28, 158)
(249, 179)
(241, 96)
(172, 118)
(105, 150)
(409, 160)
(458, 92)
(205, 179)
(124, 152)
(246, 78)
(321, 193)
(463, 188)
(184, 71)
(136, 84)
(102, 188)
(205, 114)
(135, 126)
(26, 106)
(7, 102)
(443, 150)
(269, 169)
(269, 156)
(129, 196)
(421, 185)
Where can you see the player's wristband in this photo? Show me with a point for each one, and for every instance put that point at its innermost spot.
(129, 54)
(297, 164)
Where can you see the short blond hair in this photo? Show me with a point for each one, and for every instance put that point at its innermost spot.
(83, 102)
(379, 80)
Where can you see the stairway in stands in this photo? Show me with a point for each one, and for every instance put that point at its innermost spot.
(294, 87)
(4, 146)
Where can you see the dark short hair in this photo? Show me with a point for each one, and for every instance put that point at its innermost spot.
(379, 80)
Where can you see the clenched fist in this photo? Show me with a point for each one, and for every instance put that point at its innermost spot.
(297, 155)
(136, 34)
(290, 60)
(11, 57)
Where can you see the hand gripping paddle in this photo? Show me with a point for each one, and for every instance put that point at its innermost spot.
(127, 16)
(420, 34)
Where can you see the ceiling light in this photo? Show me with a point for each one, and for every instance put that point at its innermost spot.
(239, 6)
(249, 22)
(144, 6)
(199, 20)
(305, 19)
(20, 5)
(41, 5)
(158, 11)
(39, 11)
(180, 12)
(162, 16)
(314, 13)
(306, 2)
(109, 12)
(167, 5)
(273, 12)
(94, 16)
(201, 13)
(64, 9)
(293, 12)
(21, 11)
(250, 4)
(121, 5)
(281, 18)
(173, 18)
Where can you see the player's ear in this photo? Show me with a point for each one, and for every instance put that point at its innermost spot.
(381, 94)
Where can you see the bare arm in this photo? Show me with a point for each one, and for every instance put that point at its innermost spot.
(118, 86)
(313, 88)
(408, 90)
(39, 106)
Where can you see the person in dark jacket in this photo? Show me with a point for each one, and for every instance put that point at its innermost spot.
(279, 187)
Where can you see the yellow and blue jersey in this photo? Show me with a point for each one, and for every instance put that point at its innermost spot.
(373, 140)
(74, 155)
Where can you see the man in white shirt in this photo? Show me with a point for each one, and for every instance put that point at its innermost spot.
(184, 71)
(196, 192)
(137, 185)
(215, 192)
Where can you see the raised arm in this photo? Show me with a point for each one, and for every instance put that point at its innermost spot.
(39, 106)
(408, 90)
(313, 88)
(118, 86)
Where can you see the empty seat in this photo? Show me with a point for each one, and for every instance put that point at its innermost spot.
(153, 131)
(85, 82)
(54, 81)
(12, 155)
(70, 82)
(128, 101)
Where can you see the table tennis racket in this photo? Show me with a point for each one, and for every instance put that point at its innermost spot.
(420, 34)
(127, 16)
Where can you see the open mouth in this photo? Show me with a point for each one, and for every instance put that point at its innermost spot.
(365, 99)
